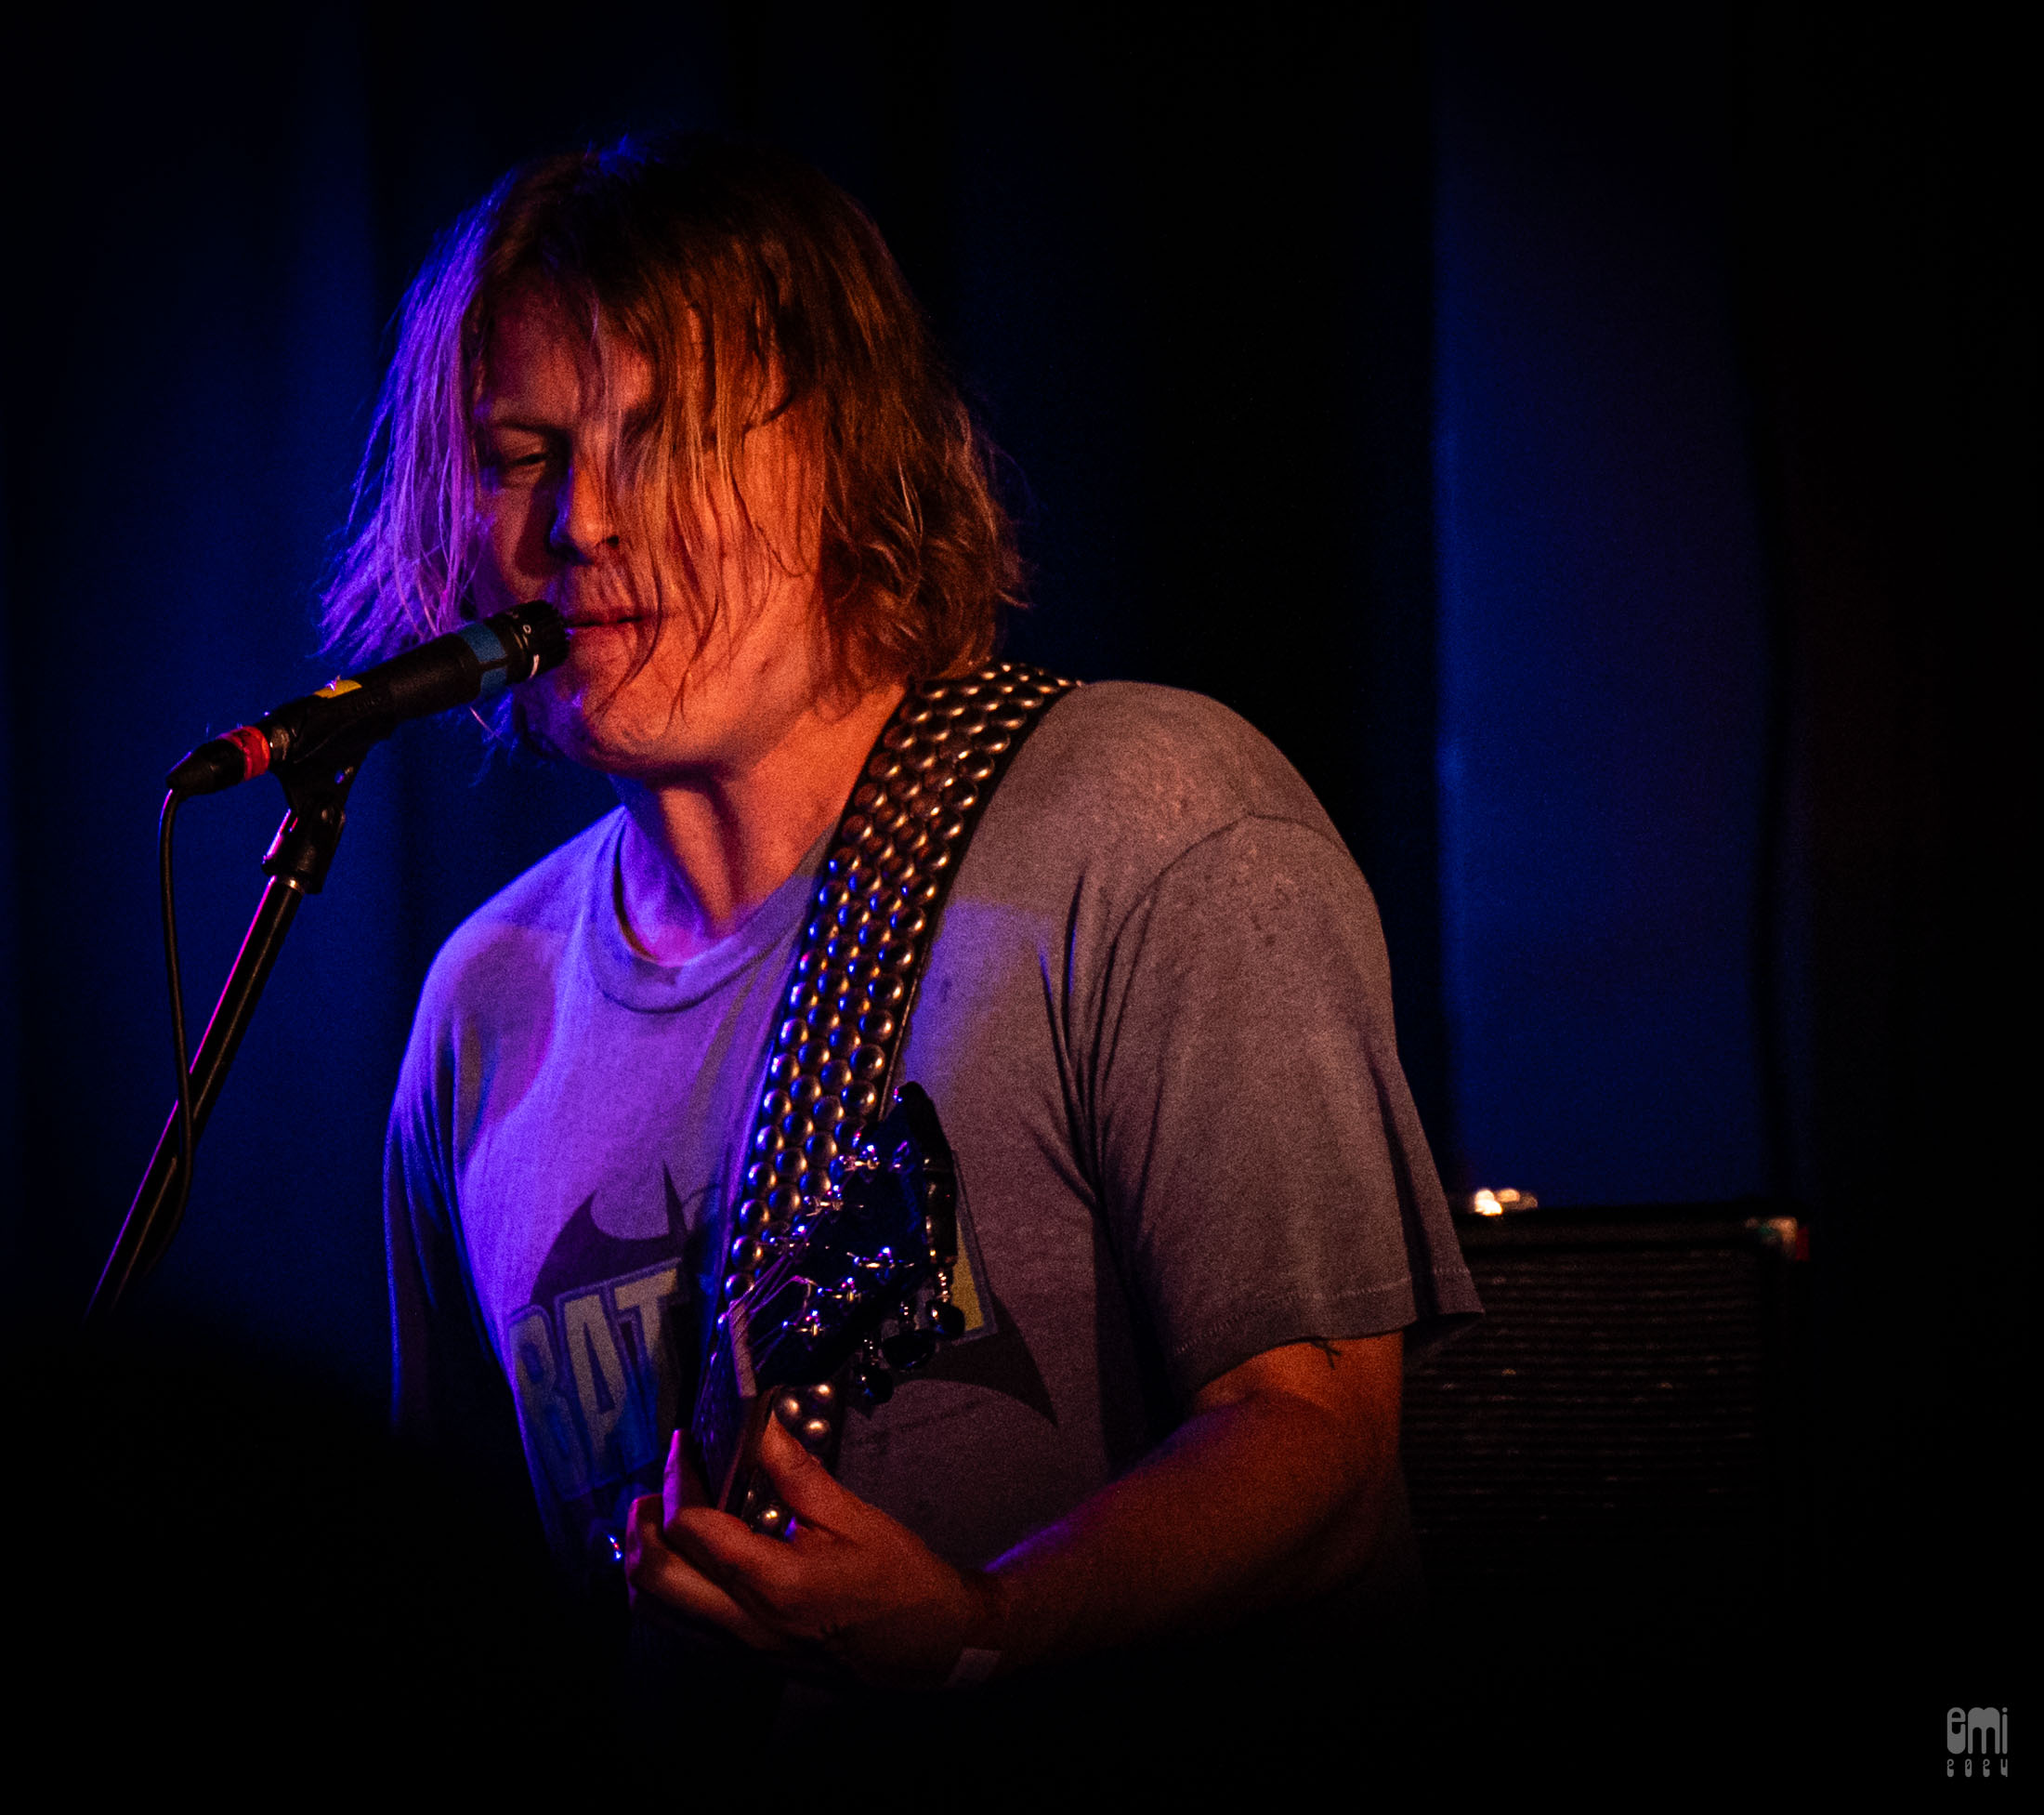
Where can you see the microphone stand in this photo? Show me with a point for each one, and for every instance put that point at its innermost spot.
(316, 788)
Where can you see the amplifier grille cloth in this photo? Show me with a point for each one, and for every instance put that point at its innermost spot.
(1614, 1397)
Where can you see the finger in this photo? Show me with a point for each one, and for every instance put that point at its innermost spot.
(646, 1510)
(681, 1485)
(804, 1485)
(758, 1573)
(652, 1568)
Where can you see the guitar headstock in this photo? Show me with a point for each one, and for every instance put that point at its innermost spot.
(865, 1274)
(859, 1287)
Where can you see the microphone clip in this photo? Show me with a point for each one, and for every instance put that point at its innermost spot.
(315, 790)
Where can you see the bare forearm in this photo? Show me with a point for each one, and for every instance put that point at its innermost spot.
(1250, 1503)
(1273, 1487)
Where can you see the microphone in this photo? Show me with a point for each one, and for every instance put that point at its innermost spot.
(466, 664)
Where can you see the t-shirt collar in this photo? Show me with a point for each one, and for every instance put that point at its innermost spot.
(637, 982)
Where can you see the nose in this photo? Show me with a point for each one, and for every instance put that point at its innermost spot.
(583, 532)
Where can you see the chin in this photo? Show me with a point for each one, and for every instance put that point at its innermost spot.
(633, 728)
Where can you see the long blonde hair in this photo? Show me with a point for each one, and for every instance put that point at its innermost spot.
(750, 285)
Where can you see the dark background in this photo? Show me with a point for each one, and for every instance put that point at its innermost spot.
(1594, 443)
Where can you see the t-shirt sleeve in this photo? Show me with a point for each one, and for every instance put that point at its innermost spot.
(448, 1394)
(1264, 1174)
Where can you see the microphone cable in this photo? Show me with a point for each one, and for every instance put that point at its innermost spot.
(452, 670)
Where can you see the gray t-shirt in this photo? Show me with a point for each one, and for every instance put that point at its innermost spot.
(1157, 1027)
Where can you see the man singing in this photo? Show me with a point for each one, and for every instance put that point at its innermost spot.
(683, 395)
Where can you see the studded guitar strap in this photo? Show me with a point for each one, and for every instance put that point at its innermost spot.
(836, 1052)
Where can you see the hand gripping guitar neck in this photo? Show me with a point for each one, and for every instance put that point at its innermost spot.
(842, 1240)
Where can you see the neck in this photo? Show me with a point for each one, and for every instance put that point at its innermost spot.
(704, 849)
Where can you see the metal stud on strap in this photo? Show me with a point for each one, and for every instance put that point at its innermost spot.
(873, 922)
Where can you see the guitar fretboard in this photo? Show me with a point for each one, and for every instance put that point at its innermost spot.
(723, 1403)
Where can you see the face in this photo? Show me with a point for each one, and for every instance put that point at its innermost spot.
(711, 672)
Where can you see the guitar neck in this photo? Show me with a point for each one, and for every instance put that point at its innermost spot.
(729, 1411)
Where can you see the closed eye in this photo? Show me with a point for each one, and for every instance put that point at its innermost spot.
(517, 465)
